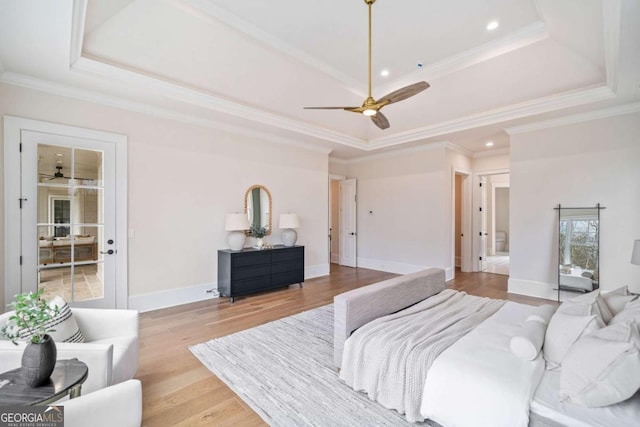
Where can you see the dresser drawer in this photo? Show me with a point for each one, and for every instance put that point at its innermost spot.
(287, 278)
(281, 267)
(287, 254)
(250, 272)
(250, 258)
(251, 285)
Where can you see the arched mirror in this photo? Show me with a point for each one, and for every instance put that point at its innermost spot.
(257, 205)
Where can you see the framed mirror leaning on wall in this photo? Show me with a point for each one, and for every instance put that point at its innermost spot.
(578, 249)
(257, 206)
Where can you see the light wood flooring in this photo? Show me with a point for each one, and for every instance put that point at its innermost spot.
(179, 391)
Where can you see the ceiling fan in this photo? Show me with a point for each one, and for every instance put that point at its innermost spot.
(58, 174)
(371, 107)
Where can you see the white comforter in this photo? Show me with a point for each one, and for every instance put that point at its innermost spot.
(478, 381)
(389, 357)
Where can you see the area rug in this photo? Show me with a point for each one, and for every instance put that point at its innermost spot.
(284, 371)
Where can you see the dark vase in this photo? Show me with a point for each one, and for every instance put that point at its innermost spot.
(38, 361)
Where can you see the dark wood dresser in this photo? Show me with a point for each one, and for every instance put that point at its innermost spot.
(255, 270)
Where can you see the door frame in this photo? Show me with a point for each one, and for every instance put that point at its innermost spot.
(465, 208)
(476, 213)
(13, 127)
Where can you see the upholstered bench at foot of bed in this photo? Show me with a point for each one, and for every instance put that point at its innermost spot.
(357, 307)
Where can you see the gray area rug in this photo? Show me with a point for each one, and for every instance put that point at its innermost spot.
(284, 371)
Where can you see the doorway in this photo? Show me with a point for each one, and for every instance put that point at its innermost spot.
(65, 210)
(494, 223)
(342, 221)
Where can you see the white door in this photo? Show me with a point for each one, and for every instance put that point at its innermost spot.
(348, 237)
(483, 224)
(68, 218)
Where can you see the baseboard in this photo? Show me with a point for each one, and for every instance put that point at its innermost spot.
(532, 289)
(335, 258)
(172, 297)
(389, 266)
(319, 270)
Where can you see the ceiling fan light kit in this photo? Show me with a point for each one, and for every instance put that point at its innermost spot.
(370, 107)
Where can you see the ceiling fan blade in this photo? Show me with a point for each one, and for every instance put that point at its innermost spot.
(330, 108)
(404, 93)
(380, 120)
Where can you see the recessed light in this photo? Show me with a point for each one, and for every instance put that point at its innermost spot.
(384, 73)
(492, 25)
(488, 144)
(59, 154)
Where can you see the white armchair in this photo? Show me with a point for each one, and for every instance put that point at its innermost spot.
(119, 405)
(110, 350)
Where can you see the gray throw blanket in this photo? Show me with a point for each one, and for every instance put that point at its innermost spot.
(389, 357)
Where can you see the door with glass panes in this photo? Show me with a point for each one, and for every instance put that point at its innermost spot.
(68, 218)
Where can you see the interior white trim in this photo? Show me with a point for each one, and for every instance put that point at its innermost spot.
(459, 149)
(611, 10)
(209, 9)
(211, 102)
(319, 270)
(395, 267)
(12, 138)
(138, 107)
(576, 118)
(532, 289)
(77, 29)
(172, 297)
(401, 151)
(491, 153)
(525, 36)
(498, 115)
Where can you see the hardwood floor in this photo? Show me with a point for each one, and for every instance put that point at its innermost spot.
(179, 391)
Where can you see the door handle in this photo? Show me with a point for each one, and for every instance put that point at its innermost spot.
(352, 234)
(109, 252)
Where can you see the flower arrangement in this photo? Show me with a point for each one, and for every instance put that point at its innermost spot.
(32, 315)
(257, 231)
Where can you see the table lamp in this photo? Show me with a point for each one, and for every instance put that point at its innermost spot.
(289, 222)
(236, 223)
(635, 259)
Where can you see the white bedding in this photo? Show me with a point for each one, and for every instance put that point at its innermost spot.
(478, 381)
(388, 358)
(547, 404)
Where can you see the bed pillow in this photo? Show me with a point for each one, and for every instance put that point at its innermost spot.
(617, 299)
(591, 303)
(563, 331)
(603, 368)
(528, 341)
(631, 311)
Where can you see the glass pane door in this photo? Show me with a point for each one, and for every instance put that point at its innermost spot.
(70, 226)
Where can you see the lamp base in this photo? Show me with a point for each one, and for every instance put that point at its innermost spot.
(289, 236)
(236, 240)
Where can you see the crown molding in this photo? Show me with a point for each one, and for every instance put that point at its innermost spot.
(211, 10)
(78, 19)
(499, 115)
(205, 100)
(576, 118)
(29, 82)
(611, 15)
(459, 149)
(427, 146)
(492, 153)
(530, 34)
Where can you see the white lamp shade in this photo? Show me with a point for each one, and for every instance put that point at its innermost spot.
(236, 222)
(635, 255)
(289, 220)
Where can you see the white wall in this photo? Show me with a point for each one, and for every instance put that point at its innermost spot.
(574, 165)
(401, 217)
(502, 213)
(182, 180)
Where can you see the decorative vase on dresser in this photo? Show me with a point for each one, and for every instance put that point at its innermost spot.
(250, 270)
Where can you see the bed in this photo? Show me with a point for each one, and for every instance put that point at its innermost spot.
(458, 374)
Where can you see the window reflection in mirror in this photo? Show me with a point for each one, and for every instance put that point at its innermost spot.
(579, 236)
